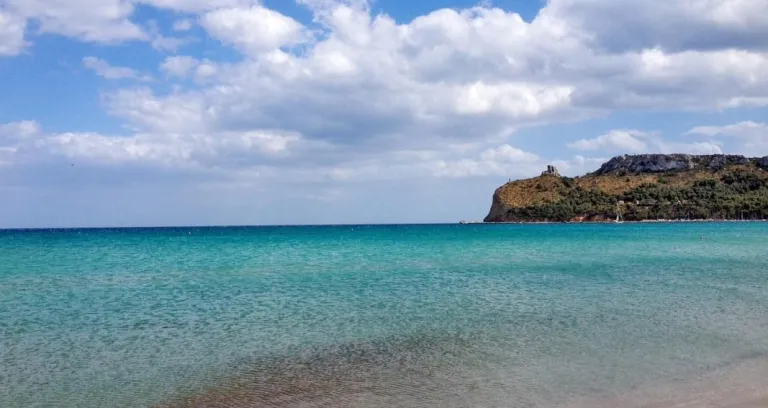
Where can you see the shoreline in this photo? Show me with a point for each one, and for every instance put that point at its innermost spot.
(697, 221)
(357, 383)
(741, 385)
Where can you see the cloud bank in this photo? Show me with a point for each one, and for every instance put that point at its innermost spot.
(352, 95)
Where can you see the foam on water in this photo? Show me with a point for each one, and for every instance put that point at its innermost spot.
(473, 315)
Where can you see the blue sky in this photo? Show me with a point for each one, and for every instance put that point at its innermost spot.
(186, 112)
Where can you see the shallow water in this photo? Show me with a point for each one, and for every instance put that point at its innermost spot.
(439, 315)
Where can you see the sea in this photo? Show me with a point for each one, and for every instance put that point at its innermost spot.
(476, 315)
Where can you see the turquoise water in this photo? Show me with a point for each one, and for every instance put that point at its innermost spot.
(436, 315)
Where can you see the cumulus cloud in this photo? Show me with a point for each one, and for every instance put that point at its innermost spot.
(456, 74)
(504, 160)
(579, 165)
(616, 140)
(105, 70)
(752, 136)
(15, 131)
(197, 5)
(105, 21)
(748, 129)
(254, 29)
(637, 141)
(182, 25)
(185, 67)
(691, 148)
(377, 97)
(14, 134)
(671, 25)
(214, 150)
(102, 21)
(176, 113)
(179, 66)
(507, 153)
(205, 70)
(12, 29)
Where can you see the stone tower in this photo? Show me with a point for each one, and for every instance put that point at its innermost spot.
(551, 171)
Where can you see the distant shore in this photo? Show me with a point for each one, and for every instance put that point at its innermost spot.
(614, 222)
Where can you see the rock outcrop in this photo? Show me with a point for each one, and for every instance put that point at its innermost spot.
(763, 163)
(646, 163)
(641, 187)
(662, 163)
(499, 208)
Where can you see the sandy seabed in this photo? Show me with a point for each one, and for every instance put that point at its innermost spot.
(741, 386)
(356, 385)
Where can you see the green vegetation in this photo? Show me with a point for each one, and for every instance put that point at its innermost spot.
(734, 192)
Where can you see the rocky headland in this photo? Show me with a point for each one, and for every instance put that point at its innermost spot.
(641, 188)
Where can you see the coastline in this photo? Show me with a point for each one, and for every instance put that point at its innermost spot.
(696, 221)
(368, 381)
(659, 188)
(740, 385)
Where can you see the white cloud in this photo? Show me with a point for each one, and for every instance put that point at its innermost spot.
(504, 160)
(12, 29)
(697, 79)
(363, 89)
(672, 25)
(616, 140)
(663, 146)
(160, 42)
(579, 165)
(255, 29)
(205, 70)
(170, 44)
(185, 67)
(371, 87)
(748, 129)
(507, 153)
(106, 21)
(513, 99)
(27, 143)
(12, 135)
(179, 66)
(322, 9)
(176, 113)
(752, 136)
(102, 21)
(637, 141)
(191, 6)
(182, 25)
(105, 70)
(15, 131)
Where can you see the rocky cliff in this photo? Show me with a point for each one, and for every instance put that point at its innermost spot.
(662, 163)
(641, 187)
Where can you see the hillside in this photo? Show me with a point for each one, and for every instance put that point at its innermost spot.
(641, 187)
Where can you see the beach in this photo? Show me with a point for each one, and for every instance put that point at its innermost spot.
(553, 315)
(741, 385)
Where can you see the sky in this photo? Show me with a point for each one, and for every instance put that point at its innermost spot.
(254, 112)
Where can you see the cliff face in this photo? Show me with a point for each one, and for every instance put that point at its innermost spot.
(641, 187)
(662, 163)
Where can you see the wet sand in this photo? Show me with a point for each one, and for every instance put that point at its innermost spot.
(428, 372)
(741, 386)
